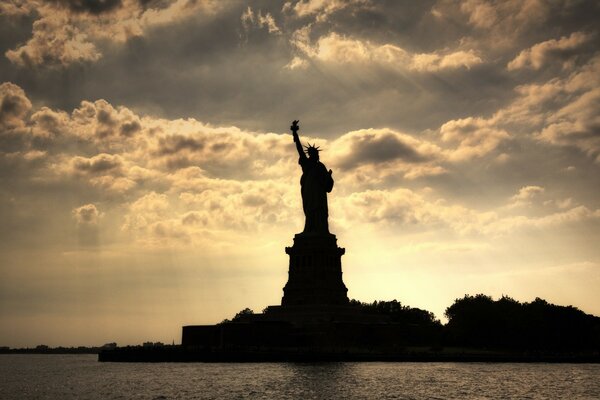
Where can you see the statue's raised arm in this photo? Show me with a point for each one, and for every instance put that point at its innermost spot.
(295, 128)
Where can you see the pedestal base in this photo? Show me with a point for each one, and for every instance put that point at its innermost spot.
(315, 272)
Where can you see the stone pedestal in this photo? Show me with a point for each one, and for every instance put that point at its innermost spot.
(315, 272)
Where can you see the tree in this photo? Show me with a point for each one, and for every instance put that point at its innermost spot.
(239, 316)
(479, 321)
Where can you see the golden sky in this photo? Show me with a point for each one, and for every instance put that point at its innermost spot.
(149, 180)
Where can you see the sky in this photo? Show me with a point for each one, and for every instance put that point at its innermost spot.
(148, 177)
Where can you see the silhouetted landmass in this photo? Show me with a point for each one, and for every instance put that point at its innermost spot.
(479, 328)
(317, 322)
(399, 313)
(43, 349)
(480, 322)
(418, 327)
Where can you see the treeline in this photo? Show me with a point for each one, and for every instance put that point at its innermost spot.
(399, 313)
(43, 349)
(417, 327)
(480, 321)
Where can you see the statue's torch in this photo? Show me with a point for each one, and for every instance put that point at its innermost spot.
(295, 128)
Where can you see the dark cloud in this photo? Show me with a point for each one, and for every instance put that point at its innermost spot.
(408, 24)
(220, 72)
(375, 149)
(206, 68)
(90, 6)
(87, 217)
(86, 214)
(14, 105)
(175, 143)
(156, 4)
(130, 128)
(97, 164)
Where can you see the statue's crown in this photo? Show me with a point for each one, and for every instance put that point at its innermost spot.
(312, 147)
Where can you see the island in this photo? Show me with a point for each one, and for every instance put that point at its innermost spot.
(317, 322)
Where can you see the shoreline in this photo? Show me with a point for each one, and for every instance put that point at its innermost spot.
(178, 354)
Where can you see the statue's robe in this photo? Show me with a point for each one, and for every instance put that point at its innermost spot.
(315, 183)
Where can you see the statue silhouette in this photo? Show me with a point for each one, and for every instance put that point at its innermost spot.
(315, 183)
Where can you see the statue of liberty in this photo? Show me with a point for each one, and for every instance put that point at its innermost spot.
(315, 183)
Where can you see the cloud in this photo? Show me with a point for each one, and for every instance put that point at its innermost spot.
(250, 18)
(208, 89)
(153, 204)
(437, 62)
(14, 106)
(54, 42)
(378, 146)
(203, 211)
(373, 156)
(511, 224)
(526, 193)
(504, 16)
(501, 29)
(104, 124)
(296, 63)
(144, 213)
(249, 205)
(100, 163)
(48, 124)
(474, 137)
(433, 68)
(321, 9)
(481, 14)
(17, 8)
(336, 48)
(223, 151)
(87, 214)
(107, 172)
(90, 6)
(120, 147)
(542, 53)
(576, 124)
(184, 182)
(408, 210)
(173, 144)
(88, 230)
(562, 111)
(68, 32)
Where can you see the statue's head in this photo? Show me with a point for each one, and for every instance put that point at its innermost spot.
(313, 152)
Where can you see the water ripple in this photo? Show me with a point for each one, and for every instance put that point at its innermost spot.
(82, 377)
